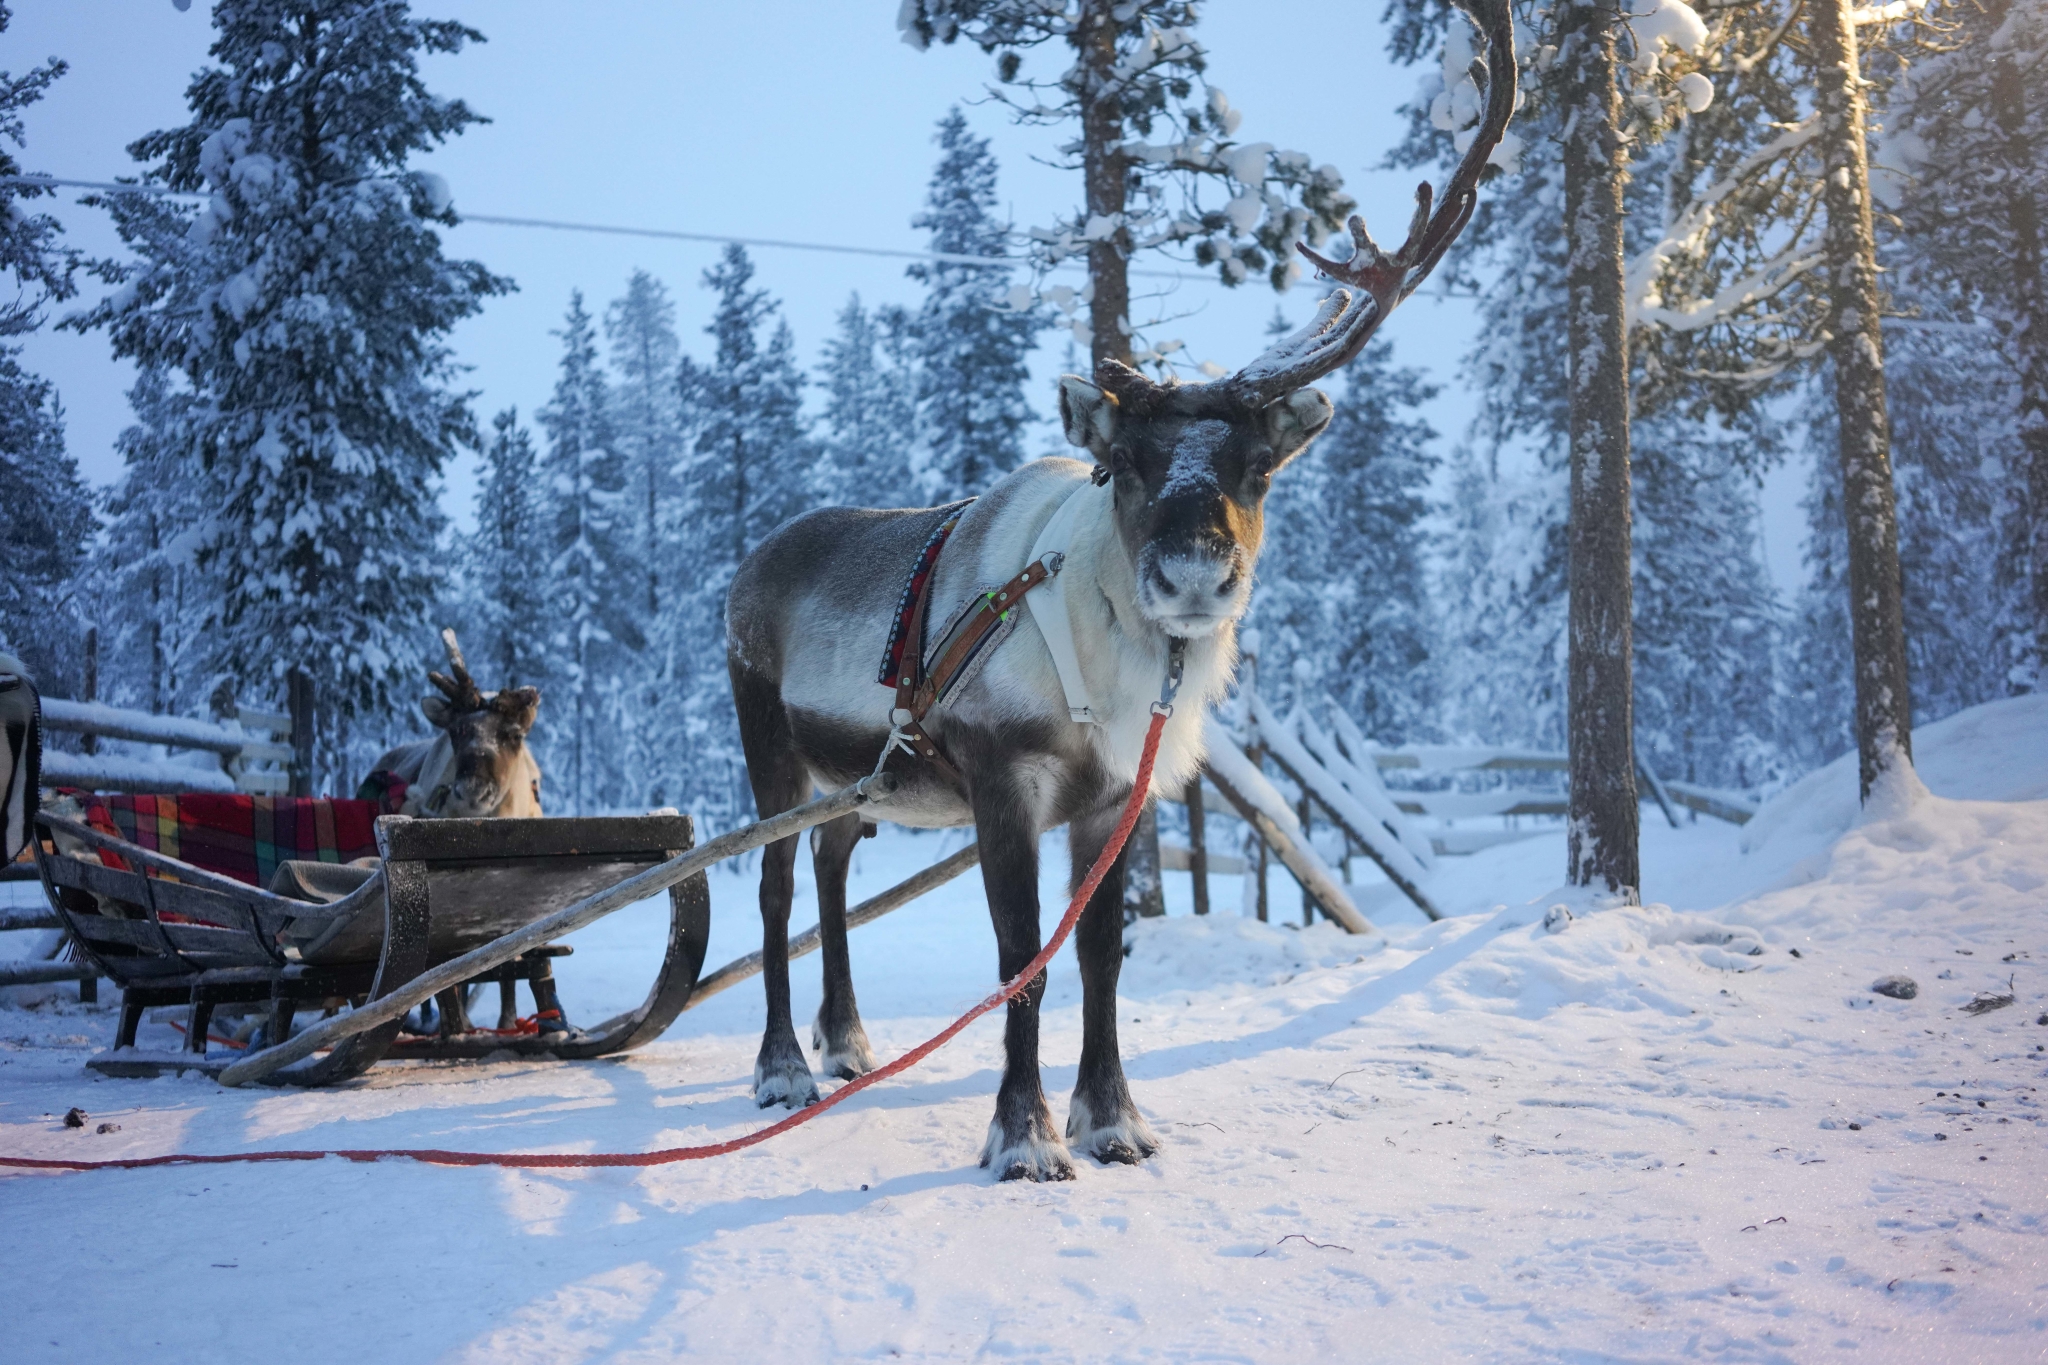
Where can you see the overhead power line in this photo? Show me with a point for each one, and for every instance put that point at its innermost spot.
(614, 230)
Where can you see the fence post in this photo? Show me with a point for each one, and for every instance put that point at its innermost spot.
(1144, 888)
(300, 699)
(1198, 851)
(1308, 902)
(91, 743)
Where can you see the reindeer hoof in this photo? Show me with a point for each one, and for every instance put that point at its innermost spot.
(787, 1084)
(1037, 1156)
(846, 1057)
(1126, 1140)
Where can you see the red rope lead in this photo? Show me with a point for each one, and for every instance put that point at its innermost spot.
(558, 1160)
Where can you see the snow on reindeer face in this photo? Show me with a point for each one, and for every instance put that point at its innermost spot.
(1191, 465)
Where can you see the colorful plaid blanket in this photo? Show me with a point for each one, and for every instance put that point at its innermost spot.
(244, 837)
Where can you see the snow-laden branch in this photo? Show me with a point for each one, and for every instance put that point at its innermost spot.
(1688, 234)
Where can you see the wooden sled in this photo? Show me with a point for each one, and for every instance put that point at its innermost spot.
(169, 933)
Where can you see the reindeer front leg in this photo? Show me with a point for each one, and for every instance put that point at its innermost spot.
(1102, 1121)
(1022, 1142)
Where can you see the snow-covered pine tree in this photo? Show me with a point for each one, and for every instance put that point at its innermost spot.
(646, 423)
(1136, 73)
(869, 376)
(971, 342)
(748, 467)
(45, 510)
(1343, 578)
(595, 584)
(1963, 163)
(152, 652)
(306, 306)
(1705, 617)
(509, 602)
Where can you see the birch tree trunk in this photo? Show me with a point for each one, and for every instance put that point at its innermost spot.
(1884, 730)
(2029, 316)
(1601, 839)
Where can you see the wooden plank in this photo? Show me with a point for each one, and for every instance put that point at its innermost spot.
(396, 1002)
(29, 917)
(442, 841)
(37, 973)
(1477, 805)
(107, 772)
(1729, 806)
(178, 732)
(1314, 878)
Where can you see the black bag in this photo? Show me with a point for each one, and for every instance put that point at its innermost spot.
(21, 753)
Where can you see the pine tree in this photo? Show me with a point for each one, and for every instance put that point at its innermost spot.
(870, 381)
(306, 306)
(596, 586)
(641, 327)
(750, 466)
(152, 655)
(45, 509)
(1343, 578)
(1962, 165)
(647, 425)
(1136, 73)
(509, 596)
(971, 342)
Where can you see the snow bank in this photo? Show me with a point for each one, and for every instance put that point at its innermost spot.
(1994, 752)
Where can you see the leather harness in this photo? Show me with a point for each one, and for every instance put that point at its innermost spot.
(919, 686)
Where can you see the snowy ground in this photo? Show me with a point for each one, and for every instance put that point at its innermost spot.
(1631, 1140)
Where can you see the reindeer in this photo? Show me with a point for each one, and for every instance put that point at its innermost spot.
(478, 765)
(1160, 536)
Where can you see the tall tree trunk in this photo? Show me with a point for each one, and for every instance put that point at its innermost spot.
(2029, 316)
(1601, 842)
(1105, 174)
(1877, 629)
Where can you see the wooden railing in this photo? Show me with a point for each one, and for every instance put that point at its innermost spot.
(249, 757)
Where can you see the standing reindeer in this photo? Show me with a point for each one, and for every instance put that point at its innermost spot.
(1159, 540)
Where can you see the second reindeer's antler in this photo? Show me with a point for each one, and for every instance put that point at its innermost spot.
(1346, 321)
(460, 689)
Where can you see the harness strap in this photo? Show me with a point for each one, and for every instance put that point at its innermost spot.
(919, 688)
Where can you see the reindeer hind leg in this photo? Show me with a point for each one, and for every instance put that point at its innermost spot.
(837, 1031)
(780, 782)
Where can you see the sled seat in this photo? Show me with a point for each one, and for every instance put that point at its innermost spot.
(327, 935)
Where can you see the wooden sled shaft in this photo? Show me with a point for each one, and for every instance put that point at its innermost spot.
(402, 997)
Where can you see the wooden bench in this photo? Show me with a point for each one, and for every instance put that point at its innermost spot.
(169, 933)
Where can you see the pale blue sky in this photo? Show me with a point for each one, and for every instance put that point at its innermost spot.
(779, 118)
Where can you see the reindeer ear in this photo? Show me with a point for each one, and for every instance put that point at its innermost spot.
(1088, 414)
(438, 710)
(1294, 421)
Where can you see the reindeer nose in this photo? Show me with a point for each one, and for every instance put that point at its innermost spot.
(1195, 575)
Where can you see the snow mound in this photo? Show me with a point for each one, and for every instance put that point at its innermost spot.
(1994, 752)
(1928, 867)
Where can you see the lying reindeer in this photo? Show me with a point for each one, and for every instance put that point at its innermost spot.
(478, 765)
(1159, 543)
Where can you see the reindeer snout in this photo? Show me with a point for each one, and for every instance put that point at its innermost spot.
(1194, 578)
(1193, 592)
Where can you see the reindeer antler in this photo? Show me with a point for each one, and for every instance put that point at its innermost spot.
(1345, 322)
(460, 689)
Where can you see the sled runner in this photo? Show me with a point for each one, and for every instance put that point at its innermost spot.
(330, 934)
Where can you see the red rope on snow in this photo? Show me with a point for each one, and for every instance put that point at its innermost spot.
(666, 1156)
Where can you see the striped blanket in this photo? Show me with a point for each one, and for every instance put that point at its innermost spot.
(244, 837)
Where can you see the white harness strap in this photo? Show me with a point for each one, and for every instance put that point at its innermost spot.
(1048, 607)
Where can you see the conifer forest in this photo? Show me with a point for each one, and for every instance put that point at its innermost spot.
(286, 300)
(1408, 640)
